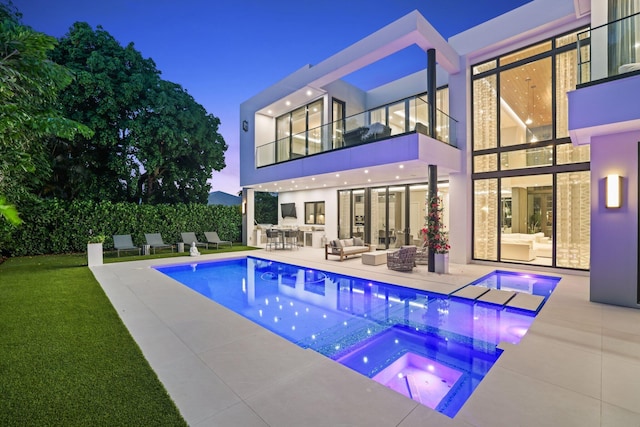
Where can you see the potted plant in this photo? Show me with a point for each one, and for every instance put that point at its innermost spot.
(436, 236)
(94, 248)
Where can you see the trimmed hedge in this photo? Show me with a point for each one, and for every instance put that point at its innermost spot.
(54, 227)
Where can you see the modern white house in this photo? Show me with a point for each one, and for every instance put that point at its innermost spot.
(528, 124)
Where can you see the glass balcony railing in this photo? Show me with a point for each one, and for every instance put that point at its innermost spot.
(397, 118)
(609, 50)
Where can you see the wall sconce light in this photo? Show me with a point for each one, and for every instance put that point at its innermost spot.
(613, 192)
(244, 208)
(245, 125)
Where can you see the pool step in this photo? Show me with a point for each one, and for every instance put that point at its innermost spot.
(511, 299)
(497, 296)
(526, 301)
(470, 292)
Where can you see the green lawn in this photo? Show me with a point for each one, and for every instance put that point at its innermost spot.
(66, 358)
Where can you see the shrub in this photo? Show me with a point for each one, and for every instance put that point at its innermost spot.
(52, 226)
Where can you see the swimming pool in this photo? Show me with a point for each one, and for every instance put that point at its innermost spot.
(429, 347)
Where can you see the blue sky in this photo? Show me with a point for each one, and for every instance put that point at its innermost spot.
(224, 52)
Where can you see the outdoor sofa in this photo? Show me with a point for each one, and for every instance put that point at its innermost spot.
(346, 247)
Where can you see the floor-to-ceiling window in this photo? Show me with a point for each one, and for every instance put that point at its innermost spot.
(529, 182)
(338, 112)
(298, 133)
(389, 216)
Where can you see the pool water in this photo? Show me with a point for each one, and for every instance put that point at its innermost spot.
(429, 347)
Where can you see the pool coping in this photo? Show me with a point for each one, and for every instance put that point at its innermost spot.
(196, 372)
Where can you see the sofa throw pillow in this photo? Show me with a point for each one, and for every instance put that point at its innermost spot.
(347, 242)
(337, 244)
(357, 241)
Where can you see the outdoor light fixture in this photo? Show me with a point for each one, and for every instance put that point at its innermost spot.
(245, 125)
(613, 192)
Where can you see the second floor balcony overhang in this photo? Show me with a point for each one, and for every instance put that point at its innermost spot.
(397, 159)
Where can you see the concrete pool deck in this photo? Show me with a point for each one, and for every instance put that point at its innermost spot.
(579, 364)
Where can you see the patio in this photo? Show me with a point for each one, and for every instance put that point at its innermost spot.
(572, 367)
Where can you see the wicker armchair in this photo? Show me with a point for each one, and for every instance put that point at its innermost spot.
(404, 259)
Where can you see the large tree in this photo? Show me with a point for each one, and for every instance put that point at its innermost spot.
(29, 113)
(153, 143)
(177, 144)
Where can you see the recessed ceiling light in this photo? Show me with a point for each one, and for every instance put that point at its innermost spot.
(324, 185)
(345, 182)
(337, 175)
(288, 103)
(369, 180)
(293, 181)
(397, 177)
(401, 166)
(313, 178)
(270, 112)
(366, 171)
(309, 93)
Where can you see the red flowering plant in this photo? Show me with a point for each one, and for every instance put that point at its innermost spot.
(434, 232)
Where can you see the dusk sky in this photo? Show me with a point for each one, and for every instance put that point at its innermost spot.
(224, 52)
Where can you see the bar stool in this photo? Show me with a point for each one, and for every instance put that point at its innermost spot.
(273, 239)
(291, 238)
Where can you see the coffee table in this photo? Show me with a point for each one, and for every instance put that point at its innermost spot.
(374, 258)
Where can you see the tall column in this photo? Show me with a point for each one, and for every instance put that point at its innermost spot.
(433, 192)
(431, 90)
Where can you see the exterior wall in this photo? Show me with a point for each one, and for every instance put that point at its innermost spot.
(354, 98)
(614, 232)
(330, 198)
(604, 108)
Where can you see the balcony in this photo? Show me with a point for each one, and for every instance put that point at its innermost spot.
(397, 118)
(604, 102)
(609, 51)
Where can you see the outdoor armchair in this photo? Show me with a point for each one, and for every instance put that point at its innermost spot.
(213, 238)
(404, 259)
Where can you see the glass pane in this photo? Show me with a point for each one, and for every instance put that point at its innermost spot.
(481, 68)
(525, 53)
(358, 214)
(568, 39)
(282, 137)
(525, 103)
(417, 211)
(485, 115)
(309, 213)
(380, 234)
(442, 100)
(397, 211)
(314, 134)
(320, 213)
(573, 226)
(397, 117)
(344, 214)
(485, 219)
(419, 113)
(529, 158)
(527, 219)
(338, 115)
(377, 116)
(566, 79)
(485, 163)
(298, 128)
(569, 153)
